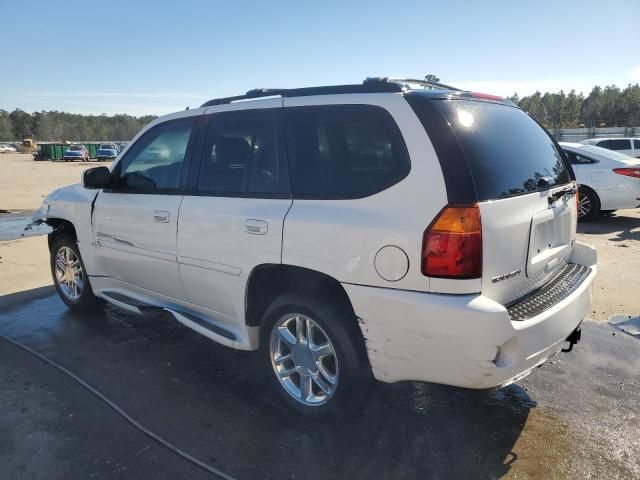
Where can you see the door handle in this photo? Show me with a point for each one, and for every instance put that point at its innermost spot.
(161, 216)
(256, 227)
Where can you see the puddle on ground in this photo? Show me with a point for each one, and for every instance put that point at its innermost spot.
(627, 323)
(13, 224)
(543, 449)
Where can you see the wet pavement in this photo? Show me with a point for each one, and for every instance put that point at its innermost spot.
(13, 224)
(576, 417)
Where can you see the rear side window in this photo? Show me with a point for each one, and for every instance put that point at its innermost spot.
(603, 143)
(505, 151)
(619, 145)
(344, 151)
(242, 155)
(576, 159)
(636, 144)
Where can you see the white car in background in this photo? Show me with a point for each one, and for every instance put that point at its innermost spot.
(607, 180)
(626, 146)
(4, 148)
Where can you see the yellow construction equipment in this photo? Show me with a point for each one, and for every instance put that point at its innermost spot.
(29, 145)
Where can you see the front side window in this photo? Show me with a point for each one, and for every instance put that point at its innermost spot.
(242, 155)
(344, 151)
(636, 144)
(154, 164)
(619, 145)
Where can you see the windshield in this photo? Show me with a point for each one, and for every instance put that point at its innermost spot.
(107, 146)
(508, 153)
(75, 148)
(605, 152)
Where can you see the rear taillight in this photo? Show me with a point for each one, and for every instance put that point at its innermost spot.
(452, 244)
(629, 172)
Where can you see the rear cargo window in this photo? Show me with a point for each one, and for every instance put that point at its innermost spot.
(506, 151)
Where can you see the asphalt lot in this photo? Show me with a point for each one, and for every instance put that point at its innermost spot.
(573, 418)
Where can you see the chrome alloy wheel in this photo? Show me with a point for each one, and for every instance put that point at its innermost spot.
(584, 205)
(69, 274)
(304, 359)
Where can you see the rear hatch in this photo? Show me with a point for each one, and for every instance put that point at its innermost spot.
(494, 154)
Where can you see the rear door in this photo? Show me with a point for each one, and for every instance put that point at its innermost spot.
(231, 220)
(523, 185)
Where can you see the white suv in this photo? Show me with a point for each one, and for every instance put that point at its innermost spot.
(626, 146)
(350, 232)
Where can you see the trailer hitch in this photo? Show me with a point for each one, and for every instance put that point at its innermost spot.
(573, 339)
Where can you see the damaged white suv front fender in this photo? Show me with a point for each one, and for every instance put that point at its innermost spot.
(72, 204)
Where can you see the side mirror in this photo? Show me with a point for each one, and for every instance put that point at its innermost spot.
(97, 177)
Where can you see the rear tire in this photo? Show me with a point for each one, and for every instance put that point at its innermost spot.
(69, 275)
(589, 205)
(333, 384)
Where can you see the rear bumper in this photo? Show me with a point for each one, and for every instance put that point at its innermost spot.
(463, 340)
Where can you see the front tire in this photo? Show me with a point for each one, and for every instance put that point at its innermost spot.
(69, 274)
(315, 355)
(588, 205)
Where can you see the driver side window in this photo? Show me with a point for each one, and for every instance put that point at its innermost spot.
(154, 164)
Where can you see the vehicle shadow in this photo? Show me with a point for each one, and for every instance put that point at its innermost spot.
(622, 224)
(221, 406)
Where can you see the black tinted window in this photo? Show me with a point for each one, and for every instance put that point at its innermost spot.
(603, 143)
(154, 163)
(576, 159)
(619, 145)
(344, 151)
(636, 144)
(241, 154)
(508, 153)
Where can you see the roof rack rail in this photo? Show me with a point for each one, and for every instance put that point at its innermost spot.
(364, 87)
(404, 81)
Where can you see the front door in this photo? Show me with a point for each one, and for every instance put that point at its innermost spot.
(135, 223)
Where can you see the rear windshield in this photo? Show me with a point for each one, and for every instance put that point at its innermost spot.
(508, 153)
(75, 148)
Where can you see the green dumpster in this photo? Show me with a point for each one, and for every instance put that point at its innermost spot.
(93, 150)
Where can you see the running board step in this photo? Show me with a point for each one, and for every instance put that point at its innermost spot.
(127, 301)
(194, 322)
(186, 318)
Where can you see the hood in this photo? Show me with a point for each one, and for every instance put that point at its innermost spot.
(62, 199)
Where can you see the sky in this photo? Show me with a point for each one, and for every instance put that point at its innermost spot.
(154, 57)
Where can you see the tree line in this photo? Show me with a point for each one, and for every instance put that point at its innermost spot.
(57, 126)
(603, 107)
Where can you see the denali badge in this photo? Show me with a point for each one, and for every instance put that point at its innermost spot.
(506, 276)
